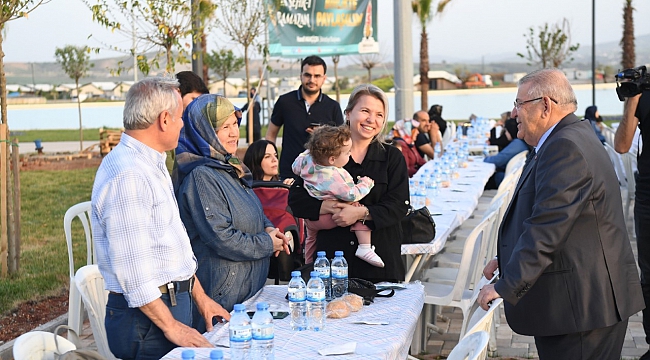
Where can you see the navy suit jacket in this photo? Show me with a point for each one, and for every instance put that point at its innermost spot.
(565, 259)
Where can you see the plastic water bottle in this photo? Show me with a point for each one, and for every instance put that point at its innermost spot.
(187, 355)
(459, 132)
(216, 354)
(298, 302)
(486, 151)
(316, 302)
(322, 265)
(339, 275)
(240, 334)
(262, 323)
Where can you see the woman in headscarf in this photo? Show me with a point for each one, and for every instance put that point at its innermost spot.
(230, 236)
(596, 121)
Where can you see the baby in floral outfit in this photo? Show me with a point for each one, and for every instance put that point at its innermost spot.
(321, 168)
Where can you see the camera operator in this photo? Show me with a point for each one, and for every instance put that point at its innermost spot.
(637, 113)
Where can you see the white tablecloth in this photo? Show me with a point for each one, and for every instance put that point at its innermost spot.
(373, 341)
(454, 204)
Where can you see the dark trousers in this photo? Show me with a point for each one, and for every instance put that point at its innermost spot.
(642, 228)
(599, 344)
(131, 335)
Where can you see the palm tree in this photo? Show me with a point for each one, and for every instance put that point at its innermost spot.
(422, 8)
(627, 42)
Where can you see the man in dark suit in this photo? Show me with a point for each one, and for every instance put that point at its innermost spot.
(567, 272)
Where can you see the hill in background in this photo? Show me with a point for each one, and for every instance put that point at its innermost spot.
(608, 54)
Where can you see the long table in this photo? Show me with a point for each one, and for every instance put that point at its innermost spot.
(450, 208)
(390, 341)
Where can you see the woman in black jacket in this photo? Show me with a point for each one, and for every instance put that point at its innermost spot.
(382, 209)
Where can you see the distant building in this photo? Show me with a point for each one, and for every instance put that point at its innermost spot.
(439, 80)
(513, 78)
(233, 87)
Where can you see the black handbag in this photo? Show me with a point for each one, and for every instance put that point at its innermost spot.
(367, 290)
(418, 226)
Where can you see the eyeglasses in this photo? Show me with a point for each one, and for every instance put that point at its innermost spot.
(518, 105)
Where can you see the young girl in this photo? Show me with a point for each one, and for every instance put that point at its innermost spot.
(321, 168)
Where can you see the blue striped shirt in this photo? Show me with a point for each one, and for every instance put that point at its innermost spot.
(139, 238)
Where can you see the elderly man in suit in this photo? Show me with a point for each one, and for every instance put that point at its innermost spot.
(567, 272)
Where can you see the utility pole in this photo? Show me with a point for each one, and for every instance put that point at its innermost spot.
(593, 52)
(403, 59)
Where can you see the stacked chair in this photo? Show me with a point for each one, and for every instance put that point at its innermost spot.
(75, 307)
(90, 284)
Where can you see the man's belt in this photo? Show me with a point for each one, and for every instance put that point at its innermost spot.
(178, 286)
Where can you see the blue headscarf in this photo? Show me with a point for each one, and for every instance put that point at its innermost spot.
(198, 143)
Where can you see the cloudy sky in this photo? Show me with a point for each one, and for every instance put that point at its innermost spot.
(469, 30)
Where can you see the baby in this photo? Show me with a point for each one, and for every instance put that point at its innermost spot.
(321, 168)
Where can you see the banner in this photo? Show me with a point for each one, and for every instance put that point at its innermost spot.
(299, 28)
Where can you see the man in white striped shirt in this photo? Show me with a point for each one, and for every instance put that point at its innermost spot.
(143, 251)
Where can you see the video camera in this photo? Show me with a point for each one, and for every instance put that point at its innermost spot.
(638, 80)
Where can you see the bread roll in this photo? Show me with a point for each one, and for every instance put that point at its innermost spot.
(338, 309)
(354, 301)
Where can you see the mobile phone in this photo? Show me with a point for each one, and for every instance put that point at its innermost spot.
(315, 125)
(276, 314)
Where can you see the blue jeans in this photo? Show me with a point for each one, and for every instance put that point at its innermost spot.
(131, 335)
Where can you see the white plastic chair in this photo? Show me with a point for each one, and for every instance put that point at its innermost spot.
(459, 293)
(516, 161)
(39, 345)
(470, 347)
(90, 283)
(447, 136)
(75, 307)
(628, 164)
(615, 158)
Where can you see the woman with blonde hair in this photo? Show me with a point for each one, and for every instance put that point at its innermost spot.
(382, 209)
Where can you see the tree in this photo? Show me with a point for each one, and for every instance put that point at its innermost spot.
(75, 61)
(10, 237)
(224, 62)
(422, 8)
(154, 23)
(243, 22)
(628, 60)
(550, 47)
(368, 62)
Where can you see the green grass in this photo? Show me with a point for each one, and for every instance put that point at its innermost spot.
(55, 135)
(46, 195)
(89, 134)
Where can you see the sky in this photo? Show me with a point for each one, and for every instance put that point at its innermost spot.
(468, 30)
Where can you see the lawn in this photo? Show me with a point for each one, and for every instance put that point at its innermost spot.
(89, 134)
(46, 195)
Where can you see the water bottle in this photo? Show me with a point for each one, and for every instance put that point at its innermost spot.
(316, 302)
(322, 265)
(262, 323)
(459, 132)
(216, 354)
(187, 355)
(297, 302)
(240, 334)
(486, 151)
(339, 275)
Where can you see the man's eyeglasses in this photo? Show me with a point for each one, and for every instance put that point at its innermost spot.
(518, 105)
